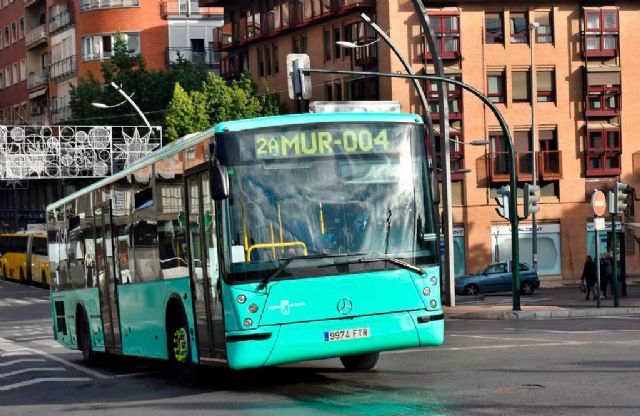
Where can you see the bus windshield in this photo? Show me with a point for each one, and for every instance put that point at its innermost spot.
(325, 192)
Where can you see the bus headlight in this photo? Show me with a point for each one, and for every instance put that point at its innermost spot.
(247, 322)
(253, 308)
(426, 291)
(434, 281)
(241, 299)
(433, 303)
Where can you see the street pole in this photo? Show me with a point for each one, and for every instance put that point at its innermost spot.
(445, 156)
(513, 202)
(126, 97)
(534, 179)
(595, 229)
(614, 284)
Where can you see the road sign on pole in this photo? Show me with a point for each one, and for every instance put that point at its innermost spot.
(599, 203)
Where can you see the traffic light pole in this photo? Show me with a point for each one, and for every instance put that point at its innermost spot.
(614, 284)
(513, 202)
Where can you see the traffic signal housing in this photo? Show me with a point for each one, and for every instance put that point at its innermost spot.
(618, 198)
(502, 200)
(531, 199)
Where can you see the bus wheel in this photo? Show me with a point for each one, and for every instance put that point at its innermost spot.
(180, 347)
(360, 361)
(88, 355)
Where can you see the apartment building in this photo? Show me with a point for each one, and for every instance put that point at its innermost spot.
(51, 43)
(583, 58)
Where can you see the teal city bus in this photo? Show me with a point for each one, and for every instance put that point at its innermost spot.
(255, 243)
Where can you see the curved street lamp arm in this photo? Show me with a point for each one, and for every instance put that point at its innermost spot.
(133, 104)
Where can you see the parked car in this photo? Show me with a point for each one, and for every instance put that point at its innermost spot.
(497, 278)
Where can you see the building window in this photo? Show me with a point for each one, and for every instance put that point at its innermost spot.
(260, 63)
(520, 86)
(446, 29)
(601, 32)
(7, 39)
(267, 60)
(328, 92)
(603, 100)
(15, 74)
(101, 46)
(494, 29)
(14, 32)
(299, 43)
(338, 91)
(337, 49)
(23, 70)
(519, 27)
(348, 37)
(544, 31)
(455, 99)
(603, 151)
(7, 77)
(1, 83)
(326, 37)
(546, 86)
(495, 82)
(276, 59)
(21, 27)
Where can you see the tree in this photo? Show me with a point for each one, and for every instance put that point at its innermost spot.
(186, 113)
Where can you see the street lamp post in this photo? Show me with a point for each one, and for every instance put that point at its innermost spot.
(127, 99)
(534, 179)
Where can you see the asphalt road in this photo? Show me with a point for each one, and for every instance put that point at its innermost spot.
(577, 367)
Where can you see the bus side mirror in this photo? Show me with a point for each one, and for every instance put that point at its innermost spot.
(218, 181)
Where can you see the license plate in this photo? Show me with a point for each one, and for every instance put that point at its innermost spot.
(346, 334)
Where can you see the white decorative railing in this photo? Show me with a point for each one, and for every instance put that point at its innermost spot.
(88, 5)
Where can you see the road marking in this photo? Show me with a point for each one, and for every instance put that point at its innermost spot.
(31, 370)
(585, 331)
(502, 338)
(493, 347)
(5, 342)
(40, 337)
(22, 360)
(42, 380)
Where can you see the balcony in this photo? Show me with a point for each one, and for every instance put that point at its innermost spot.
(600, 32)
(63, 69)
(37, 80)
(36, 37)
(60, 114)
(285, 16)
(230, 67)
(208, 57)
(60, 22)
(89, 5)
(222, 37)
(548, 166)
(185, 9)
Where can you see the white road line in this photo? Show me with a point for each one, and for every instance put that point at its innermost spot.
(31, 370)
(22, 360)
(42, 380)
(58, 359)
(585, 331)
(15, 353)
(492, 347)
(503, 338)
(48, 343)
(34, 338)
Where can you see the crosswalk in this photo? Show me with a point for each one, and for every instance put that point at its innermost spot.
(9, 302)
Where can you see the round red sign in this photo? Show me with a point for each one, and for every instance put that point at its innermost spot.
(599, 203)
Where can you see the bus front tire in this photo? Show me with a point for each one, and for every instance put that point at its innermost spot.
(179, 349)
(89, 356)
(360, 362)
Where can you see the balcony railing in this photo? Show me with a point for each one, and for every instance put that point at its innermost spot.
(36, 36)
(60, 114)
(230, 67)
(63, 69)
(208, 57)
(177, 8)
(548, 166)
(37, 79)
(366, 56)
(60, 21)
(222, 37)
(88, 5)
(284, 16)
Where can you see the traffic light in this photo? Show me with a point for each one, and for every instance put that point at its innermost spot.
(531, 199)
(299, 84)
(618, 199)
(502, 199)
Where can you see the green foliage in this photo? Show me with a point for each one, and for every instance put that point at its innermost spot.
(186, 114)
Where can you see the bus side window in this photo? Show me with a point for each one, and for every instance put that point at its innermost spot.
(122, 197)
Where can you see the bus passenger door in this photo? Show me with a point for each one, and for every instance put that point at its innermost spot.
(204, 270)
(105, 272)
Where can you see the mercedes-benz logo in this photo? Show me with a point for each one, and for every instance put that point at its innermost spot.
(345, 306)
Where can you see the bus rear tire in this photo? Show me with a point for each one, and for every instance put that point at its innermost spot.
(360, 362)
(179, 348)
(89, 356)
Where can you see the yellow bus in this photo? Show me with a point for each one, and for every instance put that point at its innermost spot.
(24, 258)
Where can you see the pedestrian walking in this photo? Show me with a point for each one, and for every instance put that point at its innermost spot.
(606, 273)
(589, 277)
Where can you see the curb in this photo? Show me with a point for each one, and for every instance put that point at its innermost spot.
(553, 314)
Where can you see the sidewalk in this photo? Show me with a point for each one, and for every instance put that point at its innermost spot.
(547, 303)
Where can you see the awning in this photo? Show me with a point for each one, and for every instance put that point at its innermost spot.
(38, 93)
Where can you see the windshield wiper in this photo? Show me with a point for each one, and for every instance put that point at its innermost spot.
(284, 263)
(393, 260)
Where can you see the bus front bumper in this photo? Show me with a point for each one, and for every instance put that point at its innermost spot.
(280, 344)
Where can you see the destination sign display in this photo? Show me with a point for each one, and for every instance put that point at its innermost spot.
(323, 141)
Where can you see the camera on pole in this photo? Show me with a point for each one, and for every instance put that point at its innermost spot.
(618, 199)
(502, 199)
(531, 199)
